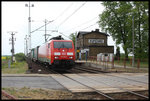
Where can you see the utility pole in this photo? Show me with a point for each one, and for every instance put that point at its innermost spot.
(133, 40)
(76, 45)
(12, 42)
(29, 24)
(26, 44)
(46, 30)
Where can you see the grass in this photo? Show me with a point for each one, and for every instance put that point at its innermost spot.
(48, 94)
(28, 93)
(128, 70)
(142, 64)
(142, 69)
(16, 68)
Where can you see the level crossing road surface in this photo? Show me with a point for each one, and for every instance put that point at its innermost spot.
(107, 83)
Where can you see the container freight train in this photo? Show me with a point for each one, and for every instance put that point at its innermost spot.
(58, 53)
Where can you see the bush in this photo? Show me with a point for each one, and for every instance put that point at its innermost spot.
(20, 57)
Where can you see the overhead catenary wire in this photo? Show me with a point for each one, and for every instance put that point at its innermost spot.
(89, 26)
(68, 18)
(81, 29)
(54, 19)
(71, 14)
(63, 12)
(64, 20)
(39, 42)
(64, 35)
(82, 24)
(41, 26)
(85, 27)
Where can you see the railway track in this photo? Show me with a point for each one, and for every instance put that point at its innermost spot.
(96, 70)
(125, 90)
(81, 69)
(97, 91)
(100, 92)
(61, 74)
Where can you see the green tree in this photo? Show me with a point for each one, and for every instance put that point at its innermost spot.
(117, 20)
(140, 11)
(20, 57)
(73, 37)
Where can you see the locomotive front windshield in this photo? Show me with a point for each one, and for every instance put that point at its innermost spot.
(62, 44)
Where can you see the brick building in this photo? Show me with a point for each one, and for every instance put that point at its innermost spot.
(94, 42)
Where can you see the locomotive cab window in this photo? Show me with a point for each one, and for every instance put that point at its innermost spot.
(62, 44)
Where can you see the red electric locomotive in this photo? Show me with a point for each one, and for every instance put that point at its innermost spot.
(58, 53)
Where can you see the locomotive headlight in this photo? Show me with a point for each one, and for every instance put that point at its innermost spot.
(56, 53)
(56, 57)
(71, 57)
(69, 53)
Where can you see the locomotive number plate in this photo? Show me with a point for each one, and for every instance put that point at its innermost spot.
(63, 53)
(63, 56)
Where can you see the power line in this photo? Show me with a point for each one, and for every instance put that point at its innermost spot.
(38, 37)
(81, 29)
(53, 20)
(64, 11)
(39, 42)
(64, 35)
(42, 26)
(58, 17)
(82, 24)
(89, 26)
(72, 14)
(64, 20)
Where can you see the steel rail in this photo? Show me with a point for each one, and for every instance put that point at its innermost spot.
(96, 71)
(91, 88)
(113, 75)
(118, 87)
(92, 69)
(86, 70)
(128, 79)
(105, 95)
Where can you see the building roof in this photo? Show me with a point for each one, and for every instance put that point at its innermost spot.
(84, 32)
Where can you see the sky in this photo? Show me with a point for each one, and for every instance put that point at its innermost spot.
(65, 17)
